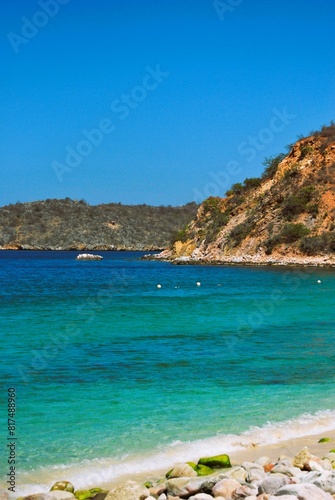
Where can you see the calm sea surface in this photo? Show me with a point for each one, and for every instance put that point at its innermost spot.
(114, 374)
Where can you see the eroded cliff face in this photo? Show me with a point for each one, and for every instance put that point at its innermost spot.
(287, 216)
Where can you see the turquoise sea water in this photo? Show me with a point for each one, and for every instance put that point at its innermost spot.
(113, 374)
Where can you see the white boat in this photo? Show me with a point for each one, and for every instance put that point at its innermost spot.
(88, 256)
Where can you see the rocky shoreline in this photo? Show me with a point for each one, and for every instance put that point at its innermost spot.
(165, 255)
(299, 476)
(247, 260)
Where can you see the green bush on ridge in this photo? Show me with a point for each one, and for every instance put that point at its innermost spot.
(290, 233)
(293, 232)
(271, 165)
(314, 245)
(215, 218)
(298, 203)
(241, 231)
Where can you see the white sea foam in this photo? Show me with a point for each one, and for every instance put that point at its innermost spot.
(95, 472)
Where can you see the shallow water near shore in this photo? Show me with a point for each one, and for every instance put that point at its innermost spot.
(116, 376)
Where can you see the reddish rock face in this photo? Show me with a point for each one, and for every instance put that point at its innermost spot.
(287, 216)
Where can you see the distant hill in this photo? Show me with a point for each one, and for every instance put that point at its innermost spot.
(285, 216)
(75, 225)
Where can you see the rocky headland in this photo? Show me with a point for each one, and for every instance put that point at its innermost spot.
(285, 217)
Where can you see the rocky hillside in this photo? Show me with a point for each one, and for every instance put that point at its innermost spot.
(286, 216)
(67, 224)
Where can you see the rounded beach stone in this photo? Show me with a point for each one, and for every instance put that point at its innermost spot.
(52, 495)
(225, 487)
(331, 457)
(63, 485)
(201, 496)
(91, 493)
(263, 461)
(158, 489)
(272, 483)
(244, 490)
(302, 457)
(209, 483)
(326, 464)
(181, 470)
(287, 469)
(312, 465)
(256, 477)
(100, 496)
(61, 494)
(201, 470)
(282, 497)
(248, 466)
(304, 491)
(217, 461)
(325, 481)
(238, 473)
(183, 486)
(128, 491)
(38, 496)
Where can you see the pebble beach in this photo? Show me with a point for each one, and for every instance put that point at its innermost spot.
(297, 469)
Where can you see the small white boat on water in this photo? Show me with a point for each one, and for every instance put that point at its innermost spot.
(88, 256)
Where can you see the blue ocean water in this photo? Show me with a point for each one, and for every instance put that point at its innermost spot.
(113, 373)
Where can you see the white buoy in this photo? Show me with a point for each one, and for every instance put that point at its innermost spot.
(198, 283)
(319, 281)
(159, 286)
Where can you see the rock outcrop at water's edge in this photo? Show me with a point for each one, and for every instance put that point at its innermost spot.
(287, 216)
(88, 256)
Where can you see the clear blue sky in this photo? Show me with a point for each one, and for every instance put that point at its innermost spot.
(179, 88)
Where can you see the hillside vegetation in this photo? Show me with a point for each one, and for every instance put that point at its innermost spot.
(67, 224)
(288, 213)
